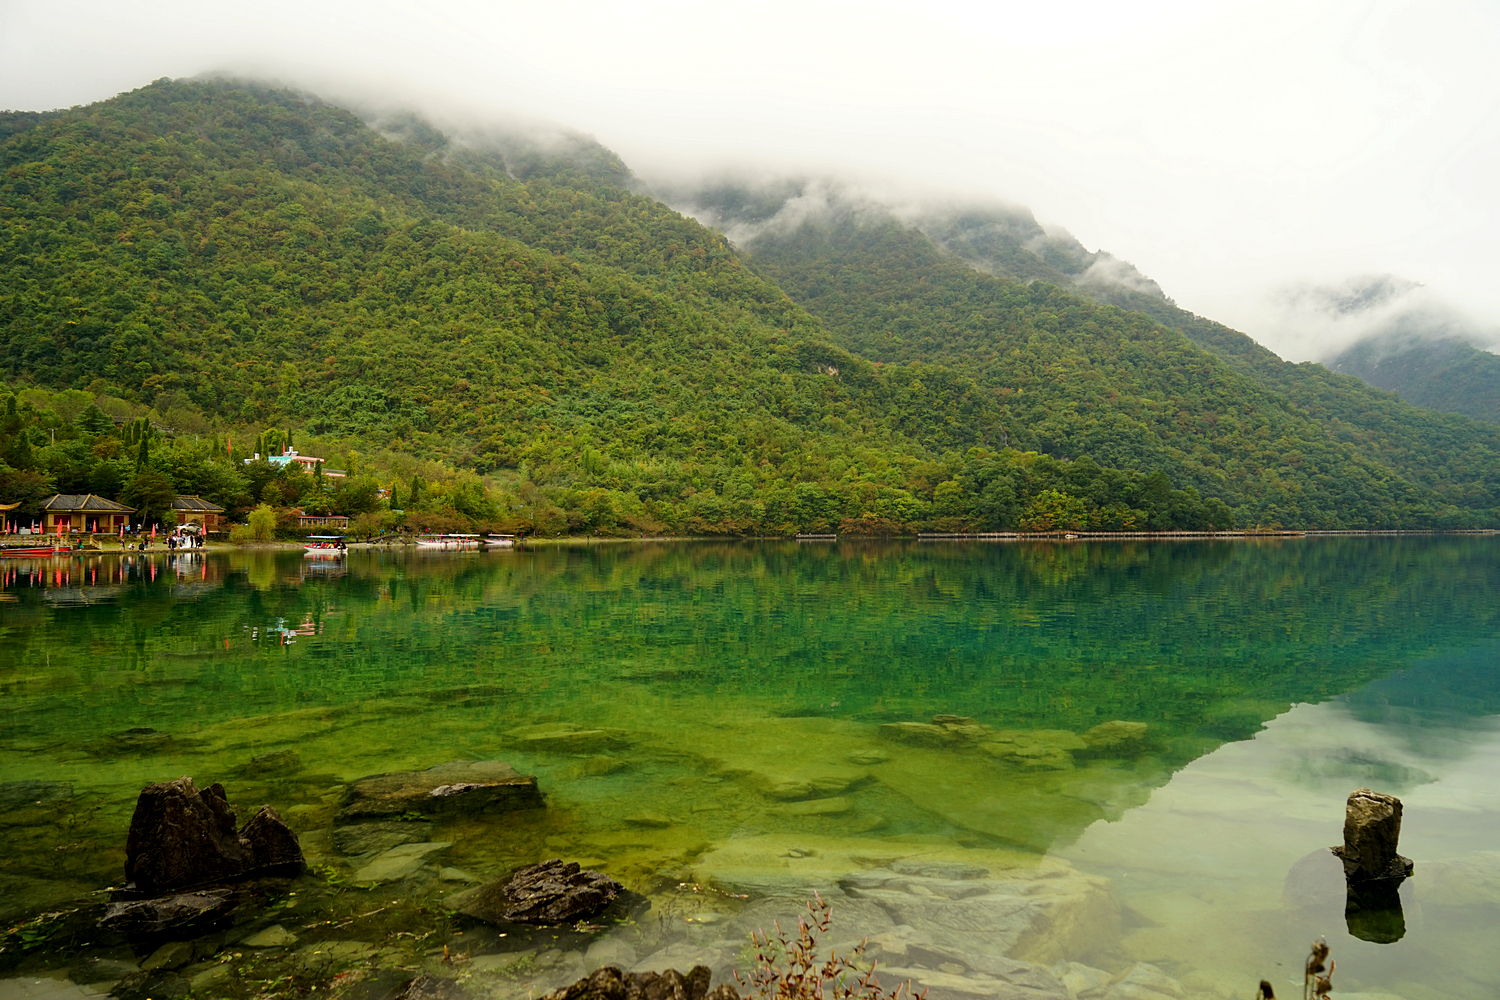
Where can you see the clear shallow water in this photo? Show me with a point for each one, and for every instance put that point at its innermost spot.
(742, 689)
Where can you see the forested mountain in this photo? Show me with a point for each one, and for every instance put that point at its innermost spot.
(1447, 374)
(1110, 367)
(250, 258)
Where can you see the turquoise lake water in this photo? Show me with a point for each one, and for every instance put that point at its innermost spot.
(731, 699)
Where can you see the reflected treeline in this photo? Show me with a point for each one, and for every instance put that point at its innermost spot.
(1205, 640)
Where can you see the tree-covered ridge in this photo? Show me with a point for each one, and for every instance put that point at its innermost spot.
(252, 258)
(1280, 443)
(1445, 374)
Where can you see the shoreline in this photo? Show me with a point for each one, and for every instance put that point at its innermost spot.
(282, 545)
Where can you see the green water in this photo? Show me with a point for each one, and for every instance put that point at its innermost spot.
(738, 683)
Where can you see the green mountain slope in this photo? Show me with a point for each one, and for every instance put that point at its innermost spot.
(503, 306)
(1446, 374)
(1145, 384)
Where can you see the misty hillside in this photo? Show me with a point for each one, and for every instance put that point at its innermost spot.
(510, 305)
(894, 285)
(1450, 375)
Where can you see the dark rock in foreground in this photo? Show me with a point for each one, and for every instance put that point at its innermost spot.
(168, 913)
(549, 893)
(460, 786)
(182, 837)
(610, 983)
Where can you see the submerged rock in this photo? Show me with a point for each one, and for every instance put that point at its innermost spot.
(975, 903)
(151, 986)
(611, 983)
(461, 786)
(399, 862)
(181, 837)
(273, 764)
(16, 796)
(561, 737)
(188, 910)
(427, 988)
(361, 839)
(172, 955)
(552, 892)
(1117, 739)
(275, 936)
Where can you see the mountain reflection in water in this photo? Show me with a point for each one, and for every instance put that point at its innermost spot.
(713, 713)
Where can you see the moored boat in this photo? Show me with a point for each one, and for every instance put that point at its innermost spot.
(324, 547)
(500, 541)
(27, 550)
(448, 542)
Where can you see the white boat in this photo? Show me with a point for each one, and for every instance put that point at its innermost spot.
(448, 542)
(324, 547)
(500, 542)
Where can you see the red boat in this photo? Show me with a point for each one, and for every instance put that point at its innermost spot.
(35, 550)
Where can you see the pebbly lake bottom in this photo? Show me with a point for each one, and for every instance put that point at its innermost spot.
(913, 733)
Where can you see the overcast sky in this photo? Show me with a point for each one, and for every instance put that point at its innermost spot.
(1229, 150)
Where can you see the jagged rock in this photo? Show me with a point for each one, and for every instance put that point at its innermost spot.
(552, 892)
(182, 837)
(465, 786)
(1372, 827)
(427, 988)
(168, 913)
(273, 845)
(611, 983)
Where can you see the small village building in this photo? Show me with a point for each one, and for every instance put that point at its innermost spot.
(86, 512)
(309, 463)
(338, 521)
(196, 510)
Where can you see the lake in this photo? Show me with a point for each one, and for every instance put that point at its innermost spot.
(1019, 769)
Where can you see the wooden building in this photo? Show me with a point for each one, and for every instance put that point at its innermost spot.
(196, 510)
(72, 512)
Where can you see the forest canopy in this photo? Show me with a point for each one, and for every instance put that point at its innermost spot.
(509, 336)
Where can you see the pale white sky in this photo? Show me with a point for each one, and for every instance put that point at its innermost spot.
(1227, 149)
